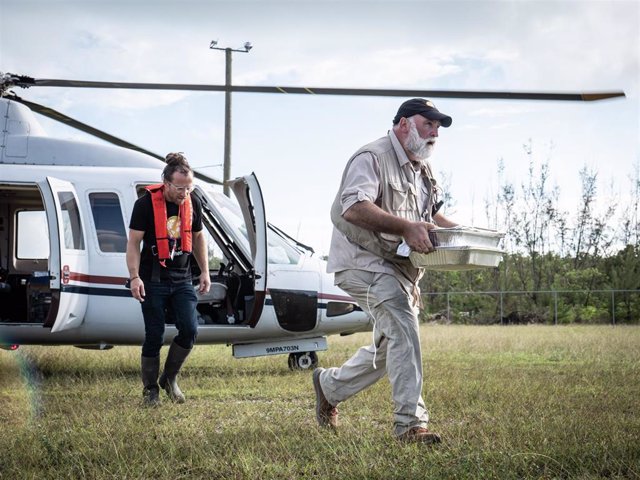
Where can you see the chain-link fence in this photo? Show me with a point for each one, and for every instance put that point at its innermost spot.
(546, 306)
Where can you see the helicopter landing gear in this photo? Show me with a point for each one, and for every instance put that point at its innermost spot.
(303, 360)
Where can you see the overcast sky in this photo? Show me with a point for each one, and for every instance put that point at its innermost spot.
(298, 144)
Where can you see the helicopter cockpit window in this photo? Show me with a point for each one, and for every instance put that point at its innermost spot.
(232, 214)
(278, 250)
(214, 253)
(73, 238)
(107, 217)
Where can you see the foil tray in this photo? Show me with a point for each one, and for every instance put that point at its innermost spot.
(465, 237)
(457, 258)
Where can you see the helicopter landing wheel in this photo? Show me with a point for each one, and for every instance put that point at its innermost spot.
(303, 361)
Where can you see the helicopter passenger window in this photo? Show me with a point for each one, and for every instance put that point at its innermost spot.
(33, 234)
(73, 238)
(107, 217)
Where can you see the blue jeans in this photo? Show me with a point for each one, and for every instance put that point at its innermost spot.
(176, 301)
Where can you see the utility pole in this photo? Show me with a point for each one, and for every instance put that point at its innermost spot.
(226, 173)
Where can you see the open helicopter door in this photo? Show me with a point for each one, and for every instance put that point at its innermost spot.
(247, 191)
(68, 257)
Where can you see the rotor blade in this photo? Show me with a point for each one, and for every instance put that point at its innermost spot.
(466, 94)
(123, 85)
(71, 122)
(62, 118)
(206, 178)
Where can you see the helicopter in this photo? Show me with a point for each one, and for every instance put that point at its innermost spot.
(64, 207)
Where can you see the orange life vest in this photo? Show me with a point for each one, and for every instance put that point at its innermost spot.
(160, 222)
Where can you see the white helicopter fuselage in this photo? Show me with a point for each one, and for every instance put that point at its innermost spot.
(64, 213)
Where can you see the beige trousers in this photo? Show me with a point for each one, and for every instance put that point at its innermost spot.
(396, 347)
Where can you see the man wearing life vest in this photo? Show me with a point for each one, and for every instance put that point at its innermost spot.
(167, 220)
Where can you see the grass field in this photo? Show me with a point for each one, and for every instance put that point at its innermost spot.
(509, 402)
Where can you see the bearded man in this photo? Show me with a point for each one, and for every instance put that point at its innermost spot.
(387, 195)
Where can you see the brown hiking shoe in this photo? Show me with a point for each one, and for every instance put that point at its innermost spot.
(419, 435)
(326, 414)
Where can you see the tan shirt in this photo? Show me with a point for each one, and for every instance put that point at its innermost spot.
(362, 182)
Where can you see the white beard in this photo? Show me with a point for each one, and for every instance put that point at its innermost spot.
(420, 147)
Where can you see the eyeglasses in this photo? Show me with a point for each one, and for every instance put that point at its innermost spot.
(181, 189)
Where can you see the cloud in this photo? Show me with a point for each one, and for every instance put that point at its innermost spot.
(584, 45)
(383, 67)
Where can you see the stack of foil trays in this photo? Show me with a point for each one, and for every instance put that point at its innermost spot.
(461, 248)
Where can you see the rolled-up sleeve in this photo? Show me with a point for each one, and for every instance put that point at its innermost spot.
(362, 181)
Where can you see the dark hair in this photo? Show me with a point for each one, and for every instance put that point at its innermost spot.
(176, 162)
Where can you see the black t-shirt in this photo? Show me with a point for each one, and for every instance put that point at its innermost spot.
(179, 269)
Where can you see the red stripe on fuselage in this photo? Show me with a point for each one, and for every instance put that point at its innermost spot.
(82, 277)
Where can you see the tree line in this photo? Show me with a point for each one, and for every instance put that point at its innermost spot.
(563, 263)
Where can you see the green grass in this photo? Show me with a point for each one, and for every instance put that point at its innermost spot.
(509, 402)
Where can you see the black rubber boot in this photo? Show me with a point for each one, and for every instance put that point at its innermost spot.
(176, 357)
(150, 370)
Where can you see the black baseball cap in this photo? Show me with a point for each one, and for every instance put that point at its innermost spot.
(426, 108)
